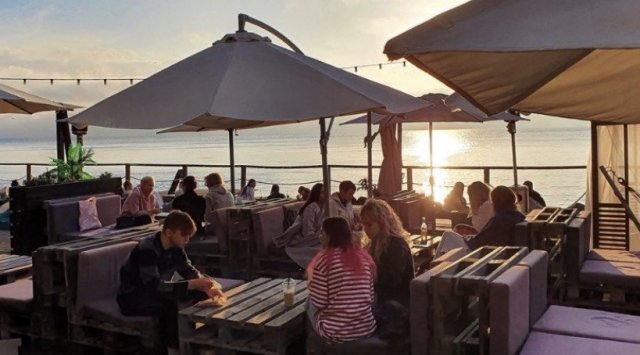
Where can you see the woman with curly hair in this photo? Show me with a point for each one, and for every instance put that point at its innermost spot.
(389, 247)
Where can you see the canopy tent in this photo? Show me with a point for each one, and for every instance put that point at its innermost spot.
(567, 58)
(245, 80)
(442, 109)
(16, 101)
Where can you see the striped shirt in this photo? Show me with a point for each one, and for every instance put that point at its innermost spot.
(343, 297)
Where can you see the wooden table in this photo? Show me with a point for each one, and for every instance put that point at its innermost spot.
(423, 251)
(254, 320)
(12, 266)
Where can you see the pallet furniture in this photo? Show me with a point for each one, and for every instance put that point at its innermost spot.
(16, 305)
(254, 320)
(13, 267)
(423, 251)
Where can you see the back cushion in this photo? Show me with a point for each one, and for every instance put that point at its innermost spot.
(291, 213)
(267, 224)
(109, 208)
(537, 262)
(411, 214)
(509, 311)
(99, 272)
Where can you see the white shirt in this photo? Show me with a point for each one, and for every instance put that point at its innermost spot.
(485, 212)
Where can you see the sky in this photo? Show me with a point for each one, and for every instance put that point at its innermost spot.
(125, 39)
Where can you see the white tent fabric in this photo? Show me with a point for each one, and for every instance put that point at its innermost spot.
(568, 58)
(244, 77)
(611, 154)
(16, 101)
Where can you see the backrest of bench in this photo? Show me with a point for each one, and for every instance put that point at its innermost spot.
(267, 223)
(99, 272)
(63, 214)
(537, 261)
(509, 311)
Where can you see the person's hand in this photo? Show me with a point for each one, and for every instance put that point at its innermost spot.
(202, 284)
(214, 293)
(357, 227)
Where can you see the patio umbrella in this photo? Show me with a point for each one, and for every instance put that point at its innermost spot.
(16, 101)
(441, 109)
(568, 58)
(245, 79)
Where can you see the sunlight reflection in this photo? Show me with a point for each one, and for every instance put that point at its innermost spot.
(446, 143)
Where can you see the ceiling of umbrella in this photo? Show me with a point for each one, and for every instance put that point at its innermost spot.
(16, 101)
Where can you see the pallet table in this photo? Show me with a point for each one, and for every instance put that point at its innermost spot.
(423, 250)
(13, 266)
(255, 320)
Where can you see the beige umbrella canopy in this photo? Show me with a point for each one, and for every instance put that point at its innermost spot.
(17, 101)
(568, 58)
(245, 80)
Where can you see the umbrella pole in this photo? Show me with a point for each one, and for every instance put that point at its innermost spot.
(369, 157)
(431, 180)
(325, 167)
(511, 127)
(232, 162)
(400, 138)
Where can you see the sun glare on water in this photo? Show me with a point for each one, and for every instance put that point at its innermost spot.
(446, 144)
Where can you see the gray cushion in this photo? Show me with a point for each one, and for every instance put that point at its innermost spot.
(17, 294)
(614, 255)
(419, 305)
(99, 273)
(537, 262)
(590, 323)
(509, 305)
(108, 311)
(617, 274)
(554, 344)
(267, 224)
(63, 214)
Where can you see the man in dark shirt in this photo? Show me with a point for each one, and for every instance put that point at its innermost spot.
(191, 203)
(146, 279)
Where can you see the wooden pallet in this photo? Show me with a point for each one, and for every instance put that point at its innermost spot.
(254, 320)
(13, 267)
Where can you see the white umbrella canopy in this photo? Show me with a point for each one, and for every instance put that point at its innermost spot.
(442, 108)
(16, 101)
(244, 77)
(569, 58)
(241, 79)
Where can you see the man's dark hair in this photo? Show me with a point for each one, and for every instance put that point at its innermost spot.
(189, 183)
(179, 221)
(347, 185)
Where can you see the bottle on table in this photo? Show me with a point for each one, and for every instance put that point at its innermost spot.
(424, 229)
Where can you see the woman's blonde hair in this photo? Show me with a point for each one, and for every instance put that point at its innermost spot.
(390, 226)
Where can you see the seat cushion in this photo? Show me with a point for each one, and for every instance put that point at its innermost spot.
(17, 295)
(590, 323)
(614, 255)
(108, 311)
(616, 274)
(509, 305)
(554, 344)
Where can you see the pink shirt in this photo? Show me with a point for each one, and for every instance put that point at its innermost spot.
(137, 202)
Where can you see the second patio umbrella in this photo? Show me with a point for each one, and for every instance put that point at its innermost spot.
(245, 79)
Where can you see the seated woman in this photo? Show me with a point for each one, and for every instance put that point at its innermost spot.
(480, 209)
(275, 192)
(389, 247)
(305, 241)
(455, 200)
(341, 286)
(499, 231)
(248, 191)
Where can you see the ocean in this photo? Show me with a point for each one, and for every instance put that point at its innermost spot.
(543, 141)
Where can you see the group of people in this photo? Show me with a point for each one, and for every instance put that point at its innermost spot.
(493, 215)
(455, 200)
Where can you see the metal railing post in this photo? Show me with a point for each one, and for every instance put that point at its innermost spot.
(243, 176)
(409, 178)
(29, 172)
(487, 175)
(127, 172)
(185, 171)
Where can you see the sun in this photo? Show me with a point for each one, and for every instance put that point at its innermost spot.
(446, 143)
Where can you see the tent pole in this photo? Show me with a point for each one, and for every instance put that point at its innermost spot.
(431, 179)
(232, 162)
(400, 138)
(369, 157)
(325, 166)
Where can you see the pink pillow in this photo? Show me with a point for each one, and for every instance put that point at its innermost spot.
(88, 215)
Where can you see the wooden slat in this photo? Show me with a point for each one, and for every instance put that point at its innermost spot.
(206, 313)
(277, 310)
(249, 312)
(249, 303)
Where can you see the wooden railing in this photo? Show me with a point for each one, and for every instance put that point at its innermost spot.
(409, 169)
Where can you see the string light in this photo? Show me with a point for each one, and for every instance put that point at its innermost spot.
(131, 80)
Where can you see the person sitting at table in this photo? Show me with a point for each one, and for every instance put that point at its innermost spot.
(303, 193)
(388, 245)
(275, 192)
(499, 231)
(190, 202)
(340, 283)
(341, 204)
(303, 237)
(248, 191)
(480, 208)
(217, 197)
(141, 200)
(146, 279)
(455, 200)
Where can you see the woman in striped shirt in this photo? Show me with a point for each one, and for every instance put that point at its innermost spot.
(341, 279)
